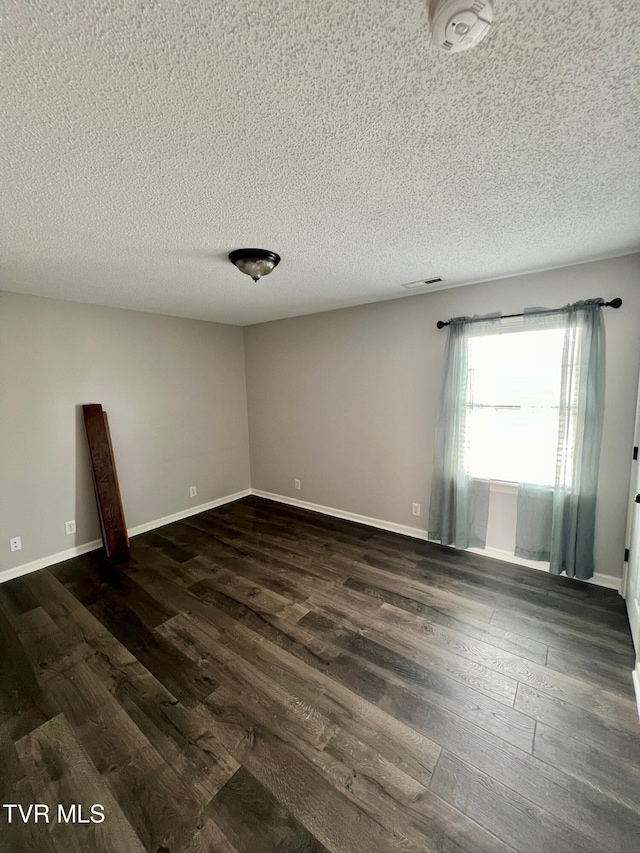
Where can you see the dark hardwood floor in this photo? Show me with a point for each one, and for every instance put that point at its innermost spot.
(260, 678)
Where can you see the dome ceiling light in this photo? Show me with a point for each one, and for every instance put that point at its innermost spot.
(254, 262)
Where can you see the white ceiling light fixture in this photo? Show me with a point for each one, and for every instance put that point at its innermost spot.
(460, 24)
(255, 262)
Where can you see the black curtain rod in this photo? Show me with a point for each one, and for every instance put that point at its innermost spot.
(615, 303)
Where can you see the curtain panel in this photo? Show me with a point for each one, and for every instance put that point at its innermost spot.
(459, 505)
(555, 523)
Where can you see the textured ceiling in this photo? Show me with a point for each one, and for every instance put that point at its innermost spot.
(141, 140)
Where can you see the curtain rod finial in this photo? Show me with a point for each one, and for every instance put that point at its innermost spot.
(441, 324)
(615, 303)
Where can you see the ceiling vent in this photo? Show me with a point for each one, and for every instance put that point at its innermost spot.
(460, 24)
(425, 282)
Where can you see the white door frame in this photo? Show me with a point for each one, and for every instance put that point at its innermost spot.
(630, 587)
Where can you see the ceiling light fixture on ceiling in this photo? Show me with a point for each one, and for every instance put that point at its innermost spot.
(254, 262)
(460, 24)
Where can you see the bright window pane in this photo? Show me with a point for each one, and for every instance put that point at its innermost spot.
(512, 416)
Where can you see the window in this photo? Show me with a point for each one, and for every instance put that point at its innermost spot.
(523, 403)
(513, 406)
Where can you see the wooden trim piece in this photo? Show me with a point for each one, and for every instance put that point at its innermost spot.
(105, 480)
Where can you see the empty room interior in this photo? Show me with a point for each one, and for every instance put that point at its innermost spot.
(319, 426)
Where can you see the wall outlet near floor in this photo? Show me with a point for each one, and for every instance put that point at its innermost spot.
(415, 509)
(69, 527)
(15, 544)
(193, 491)
(296, 484)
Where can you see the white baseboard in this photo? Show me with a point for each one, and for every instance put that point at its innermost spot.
(608, 581)
(415, 532)
(185, 513)
(598, 579)
(51, 560)
(636, 684)
(61, 556)
(391, 526)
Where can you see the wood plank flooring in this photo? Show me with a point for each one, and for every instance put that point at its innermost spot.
(260, 678)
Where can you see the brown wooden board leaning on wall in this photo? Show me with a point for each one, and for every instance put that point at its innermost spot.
(105, 480)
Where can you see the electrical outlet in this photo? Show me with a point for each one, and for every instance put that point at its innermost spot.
(193, 491)
(296, 483)
(415, 509)
(69, 527)
(16, 543)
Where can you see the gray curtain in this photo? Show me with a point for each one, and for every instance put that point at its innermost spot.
(459, 506)
(556, 524)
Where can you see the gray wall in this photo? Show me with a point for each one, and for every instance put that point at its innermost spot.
(346, 400)
(175, 394)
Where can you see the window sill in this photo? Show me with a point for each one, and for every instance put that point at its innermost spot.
(505, 487)
(509, 487)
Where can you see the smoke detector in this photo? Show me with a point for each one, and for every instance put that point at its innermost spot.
(461, 24)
